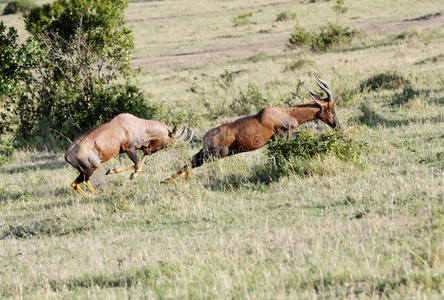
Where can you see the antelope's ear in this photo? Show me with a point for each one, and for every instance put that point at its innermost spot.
(317, 99)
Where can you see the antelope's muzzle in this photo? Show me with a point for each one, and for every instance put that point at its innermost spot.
(336, 122)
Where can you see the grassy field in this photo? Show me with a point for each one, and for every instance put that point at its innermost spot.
(368, 228)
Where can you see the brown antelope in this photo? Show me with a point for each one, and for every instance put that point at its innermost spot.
(125, 133)
(253, 132)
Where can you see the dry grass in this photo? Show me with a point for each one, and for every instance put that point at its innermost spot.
(372, 228)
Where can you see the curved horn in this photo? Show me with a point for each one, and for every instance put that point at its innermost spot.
(316, 98)
(173, 131)
(190, 136)
(181, 135)
(323, 85)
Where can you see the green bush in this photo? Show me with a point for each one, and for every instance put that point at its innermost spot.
(14, 7)
(295, 154)
(230, 101)
(300, 37)
(243, 19)
(249, 101)
(332, 35)
(388, 80)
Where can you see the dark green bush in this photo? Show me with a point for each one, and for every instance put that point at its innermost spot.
(16, 65)
(292, 154)
(14, 7)
(388, 80)
(75, 113)
(68, 75)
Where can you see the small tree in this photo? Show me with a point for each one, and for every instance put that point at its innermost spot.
(85, 51)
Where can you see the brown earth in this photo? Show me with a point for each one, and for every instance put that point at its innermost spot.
(274, 43)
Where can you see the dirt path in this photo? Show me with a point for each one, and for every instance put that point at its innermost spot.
(276, 42)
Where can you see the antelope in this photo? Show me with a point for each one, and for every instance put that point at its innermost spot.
(253, 132)
(125, 133)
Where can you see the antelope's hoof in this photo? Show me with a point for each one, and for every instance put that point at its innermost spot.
(134, 175)
(108, 172)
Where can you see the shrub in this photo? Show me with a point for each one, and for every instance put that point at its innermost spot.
(18, 6)
(290, 155)
(300, 37)
(332, 35)
(243, 19)
(388, 80)
(286, 16)
(290, 98)
(248, 101)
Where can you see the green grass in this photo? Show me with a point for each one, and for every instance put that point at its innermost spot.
(368, 228)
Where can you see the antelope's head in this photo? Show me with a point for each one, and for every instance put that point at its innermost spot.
(327, 113)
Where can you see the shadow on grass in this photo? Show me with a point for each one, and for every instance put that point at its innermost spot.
(43, 166)
(262, 175)
(372, 119)
(14, 195)
(56, 226)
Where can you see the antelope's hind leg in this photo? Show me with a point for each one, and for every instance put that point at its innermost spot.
(197, 161)
(82, 178)
(76, 185)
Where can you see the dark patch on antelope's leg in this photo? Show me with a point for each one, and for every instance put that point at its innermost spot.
(86, 182)
(83, 178)
(76, 184)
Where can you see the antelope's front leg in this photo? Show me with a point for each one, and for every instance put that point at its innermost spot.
(119, 170)
(131, 152)
(139, 167)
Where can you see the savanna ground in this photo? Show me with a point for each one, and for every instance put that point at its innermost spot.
(370, 228)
